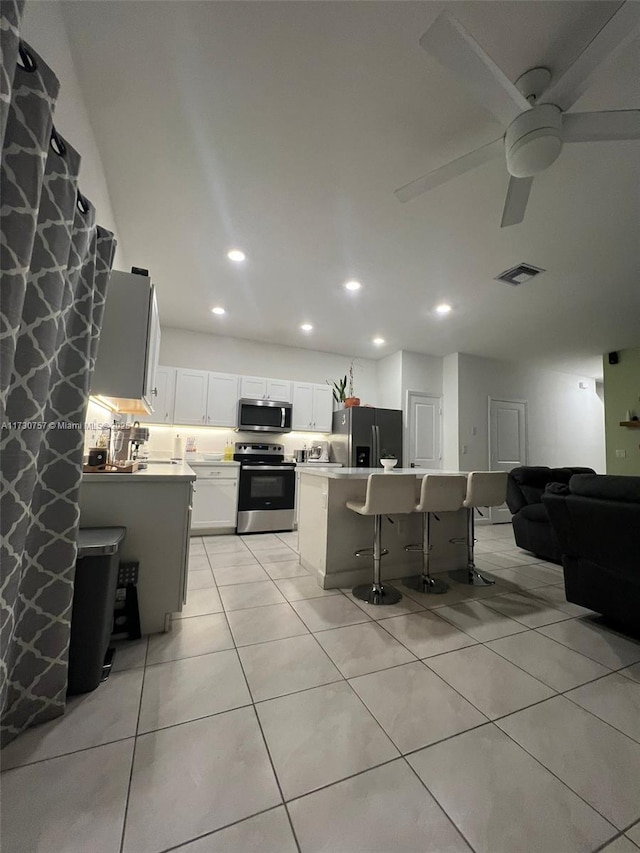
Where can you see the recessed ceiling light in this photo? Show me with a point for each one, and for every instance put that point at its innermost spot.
(236, 255)
(306, 327)
(378, 341)
(443, 308)
(352, 285)
(218, 310)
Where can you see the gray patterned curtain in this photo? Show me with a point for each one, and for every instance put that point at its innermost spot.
(55, 264)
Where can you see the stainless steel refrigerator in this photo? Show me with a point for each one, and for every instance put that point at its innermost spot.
(361, 434)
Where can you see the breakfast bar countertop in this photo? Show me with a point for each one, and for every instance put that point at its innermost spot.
(154, 472)
(363, 473)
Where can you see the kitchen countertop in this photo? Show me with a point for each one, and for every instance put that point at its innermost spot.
(363, 473)
(154, 472)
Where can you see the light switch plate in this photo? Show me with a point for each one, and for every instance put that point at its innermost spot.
(621, 454)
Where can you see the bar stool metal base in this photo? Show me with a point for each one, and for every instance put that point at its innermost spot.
(471, 577)
(429, 585)
(378, 594)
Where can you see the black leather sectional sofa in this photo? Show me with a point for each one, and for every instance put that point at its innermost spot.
(596, 519)
(531, 525)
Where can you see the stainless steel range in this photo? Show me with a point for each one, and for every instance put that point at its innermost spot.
(267, 487)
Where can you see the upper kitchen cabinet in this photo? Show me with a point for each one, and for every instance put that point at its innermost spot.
(191, 397)
(312, 407)
(257, 388)
(222, 400)
(129, 346)
(163, 401)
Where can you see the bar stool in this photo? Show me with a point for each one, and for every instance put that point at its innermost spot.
(387, 494)
(438, 493)
(484, 488)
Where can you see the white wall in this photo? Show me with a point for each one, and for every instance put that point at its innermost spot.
(450, 439)
(43, 28)
(565, 424)
(421, 373)
(182, 348)
(389, 376)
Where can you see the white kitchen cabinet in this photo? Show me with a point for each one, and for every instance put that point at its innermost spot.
(191, 397)
(257, 388)
(312, 407)
(129, 345)
(222, 400)
(278, 389)
(164, 399)
(322, 408)
(253, 387)
(302, 412)
(215, 498)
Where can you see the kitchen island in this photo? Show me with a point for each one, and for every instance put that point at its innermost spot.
(329, 533)
(154, 504)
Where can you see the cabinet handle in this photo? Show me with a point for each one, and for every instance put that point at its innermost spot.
(154, 391)
(203, 419)
(209, 418)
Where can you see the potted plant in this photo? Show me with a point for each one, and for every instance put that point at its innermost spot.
(340, 390)
(350, 400)
(388, 460)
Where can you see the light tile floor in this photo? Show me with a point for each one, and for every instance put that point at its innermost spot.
(277, 717)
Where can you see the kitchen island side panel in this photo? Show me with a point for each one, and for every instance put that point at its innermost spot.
(156, 516)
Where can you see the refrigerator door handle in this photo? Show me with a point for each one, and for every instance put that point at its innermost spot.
(375, 462)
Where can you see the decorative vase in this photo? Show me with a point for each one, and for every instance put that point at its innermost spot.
(351, 401)
(388, 464)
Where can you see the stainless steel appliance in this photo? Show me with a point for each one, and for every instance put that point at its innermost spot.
(264, 416)
(266, 488)
(361, 434)
(127, 440)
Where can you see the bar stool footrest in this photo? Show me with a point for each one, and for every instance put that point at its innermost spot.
(384, 594)
(368, 552)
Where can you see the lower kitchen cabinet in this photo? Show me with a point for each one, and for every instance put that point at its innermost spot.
(215, 498)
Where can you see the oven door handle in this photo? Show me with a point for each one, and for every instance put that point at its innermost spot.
(267, 468)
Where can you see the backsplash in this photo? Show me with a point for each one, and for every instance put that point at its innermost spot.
(213, 440)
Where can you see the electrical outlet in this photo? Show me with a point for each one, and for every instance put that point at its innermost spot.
(465, 449)
(621, 454)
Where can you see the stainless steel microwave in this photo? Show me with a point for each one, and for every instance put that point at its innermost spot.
(264, 416)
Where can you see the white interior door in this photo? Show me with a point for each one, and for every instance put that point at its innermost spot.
(424, 427)
(507, 443)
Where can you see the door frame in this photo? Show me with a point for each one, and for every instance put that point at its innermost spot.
(504, 399)
(407, 422)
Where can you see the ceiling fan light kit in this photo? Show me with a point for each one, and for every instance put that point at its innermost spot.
(533, 141)
(533, 109)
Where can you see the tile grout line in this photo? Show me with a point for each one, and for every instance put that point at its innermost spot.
(264, 739)
(133, 752)
(555, 776)
(439, 804)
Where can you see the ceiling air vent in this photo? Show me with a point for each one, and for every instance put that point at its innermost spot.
(520, 274)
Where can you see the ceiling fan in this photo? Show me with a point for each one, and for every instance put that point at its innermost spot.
(533, 109)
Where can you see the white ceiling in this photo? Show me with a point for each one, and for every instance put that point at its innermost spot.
(284, 128)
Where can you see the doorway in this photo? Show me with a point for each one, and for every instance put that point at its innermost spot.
(507, 443)
(424, 430)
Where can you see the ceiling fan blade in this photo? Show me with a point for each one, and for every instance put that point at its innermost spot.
(619, 30)
(516, 201)
(451, 170)
(456, 49)
(601, 127)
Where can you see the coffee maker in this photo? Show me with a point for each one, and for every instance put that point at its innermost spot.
(127, 440)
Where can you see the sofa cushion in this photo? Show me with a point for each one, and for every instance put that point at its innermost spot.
(606, 487)
(535, 513)
(531, 475)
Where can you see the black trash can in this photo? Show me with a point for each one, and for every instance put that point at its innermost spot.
(94, 595)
